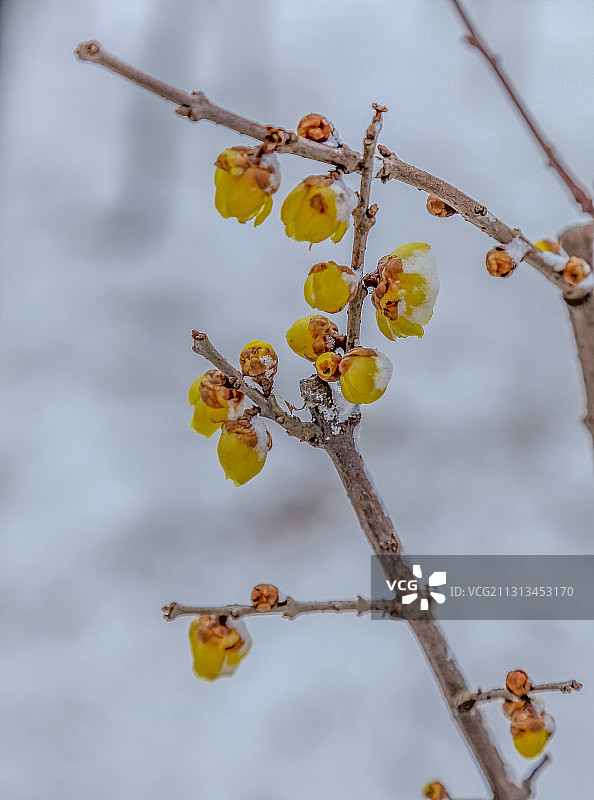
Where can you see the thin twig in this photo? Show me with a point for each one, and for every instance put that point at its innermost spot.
(196, 106)
(268, 404)
(199, 107)
(565, 687)
(364, 219)
(528, 782)
(289, 608)
(579, 193)
(476, 213)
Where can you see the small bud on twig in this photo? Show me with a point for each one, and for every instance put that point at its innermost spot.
(499, 262)
(265, 597)
(575, 270)
(518, 682)
(438, 208)
(315, 127)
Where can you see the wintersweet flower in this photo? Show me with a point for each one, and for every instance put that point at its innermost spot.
(329, 286)
(242, 448)
(407, 290)
(364, 375)
(259, 361)
(327, 366)
(221, 400)
(436, 791)
(311, 336)
(318, 208)
(218, 644)
(245, 180)
(200, 421)
(531, 728)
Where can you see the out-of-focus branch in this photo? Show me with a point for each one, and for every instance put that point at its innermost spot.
(268, 405)
(196, 106)
(565, 687)
(473, 38)
(289, 608)
(364, 220)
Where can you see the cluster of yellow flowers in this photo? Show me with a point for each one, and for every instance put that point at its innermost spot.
(244, 442)
(405, 288)
(530, 726)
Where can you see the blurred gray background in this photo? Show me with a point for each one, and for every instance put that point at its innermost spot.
(112, 252)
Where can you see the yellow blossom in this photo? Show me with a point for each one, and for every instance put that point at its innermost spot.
(364, 375)
(329, 287)
(221, 401)
(531, 728)
(218, 644)
(327, 366)
(242, 448)
(245, 180)
(259, 361)
(407, 290)
(311, 336)
(318, 208)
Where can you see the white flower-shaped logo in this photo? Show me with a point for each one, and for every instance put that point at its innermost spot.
(435, 579)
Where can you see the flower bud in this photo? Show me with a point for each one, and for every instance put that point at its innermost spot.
(221, 400)
(259, 361)
(311, 336)
(318, 208)
(499, 262)
(242, 448)
(327, 366)
(329, 287)
(531, 729)
(245, 180)
(518, 682)
(406, 291)
(436, 791)
(218, 644)
(548, 246)
(200, 421)
(438, 208)
(510, 706)
(364, 375)
(265, 597)
(575, 270)
(315, 127)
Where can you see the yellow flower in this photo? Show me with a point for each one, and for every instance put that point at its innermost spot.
(407, 290)
(200, 421)
(531, 728)
(364, 375)
(311, 336)
(436, 791)
(259, 361)
(245, 180)
(327, 366)
(318, 208)
(329, 287)
(214, 399)
(548, 246)
(242, 448)
(218, 644)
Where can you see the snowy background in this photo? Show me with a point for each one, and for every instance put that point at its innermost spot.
(112, 252)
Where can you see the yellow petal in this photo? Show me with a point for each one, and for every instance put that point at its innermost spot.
(264, 211)
(200, 421)
(531, 744)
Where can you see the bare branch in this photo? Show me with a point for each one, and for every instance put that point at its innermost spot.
(268, 405)
(196, 106)
(364, 220)
(580, 195)
(528, 782)
(474, 212)
(288, 608)
(565, 687)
